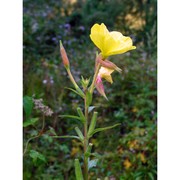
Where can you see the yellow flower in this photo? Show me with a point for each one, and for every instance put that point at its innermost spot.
(110, 43)
(106, 74)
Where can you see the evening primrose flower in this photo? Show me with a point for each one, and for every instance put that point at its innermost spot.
(110, 43)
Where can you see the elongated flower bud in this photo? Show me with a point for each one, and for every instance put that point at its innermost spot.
(64, 56)
(108, 64)
(100, 87)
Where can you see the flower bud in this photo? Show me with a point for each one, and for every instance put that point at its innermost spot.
(64, 56)
(108, 64)
(99, 86)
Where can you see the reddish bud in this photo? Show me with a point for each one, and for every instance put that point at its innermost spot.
(108, 64)
(100, 87)
(64, 56)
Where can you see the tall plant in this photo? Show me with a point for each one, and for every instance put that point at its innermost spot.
(109, 43)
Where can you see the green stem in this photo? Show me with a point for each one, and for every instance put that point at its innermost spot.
(94, 78)
(74, 82)
(72, 78)
(85, 140)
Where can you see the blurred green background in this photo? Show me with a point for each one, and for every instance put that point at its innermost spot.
(128, 152)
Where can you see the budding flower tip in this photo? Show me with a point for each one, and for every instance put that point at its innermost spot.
(61, 45)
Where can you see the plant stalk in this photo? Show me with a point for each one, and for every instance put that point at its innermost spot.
(94, 78)
(85, 140)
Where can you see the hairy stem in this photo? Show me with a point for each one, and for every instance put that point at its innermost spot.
(85, 140)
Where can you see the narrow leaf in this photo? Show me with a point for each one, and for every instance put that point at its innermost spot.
(28, 105)
(79, 133)
(81, 115)
(93, 123)
(80, 92)
(70, 116)
(29, 122)
(78, 170)
(76, 92)
(103, 129)
(88, 98)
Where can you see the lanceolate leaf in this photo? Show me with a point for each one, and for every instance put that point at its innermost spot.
(28, 105)
(79, 133)
(71, 117)
(81, 115)
(88, 98)
(103, 129)
(78, 170)
(76, 92)
(93, 123)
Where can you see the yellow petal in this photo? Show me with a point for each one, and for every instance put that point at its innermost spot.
(98, 33)
(106, 74)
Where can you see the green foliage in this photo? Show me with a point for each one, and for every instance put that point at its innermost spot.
(78, 170)
(28, 105)
(92, 124)
(29, 122)
(36, 156)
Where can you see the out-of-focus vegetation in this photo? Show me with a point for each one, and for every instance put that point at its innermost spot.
(128, 152)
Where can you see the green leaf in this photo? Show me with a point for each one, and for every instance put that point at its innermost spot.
(93, 124)
(29, 122)
(80, 92)
(81, 115)
(92, 163)
(88, 98)
(28, 105)
(79, 133)
(36, 155)
(103, 129)
(77, 91)
(71, 117)
(90, 108)
(78, 170)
